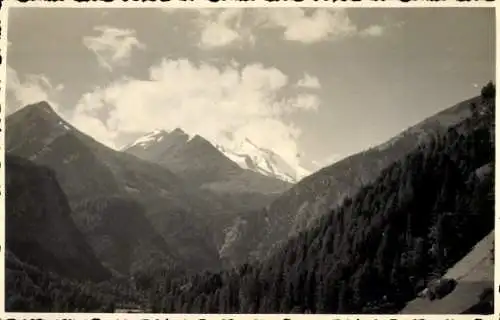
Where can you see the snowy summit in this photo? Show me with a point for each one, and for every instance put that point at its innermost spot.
(245, 153)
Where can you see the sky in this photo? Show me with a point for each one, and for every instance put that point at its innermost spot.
(313, 85)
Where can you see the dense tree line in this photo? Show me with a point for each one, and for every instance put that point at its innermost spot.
(372, 254)
(377, 250)
(28, 288)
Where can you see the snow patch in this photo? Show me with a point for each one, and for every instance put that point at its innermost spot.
(64, 125)
(131, 189)
(244, 153)
(250, 156)
(148, 139)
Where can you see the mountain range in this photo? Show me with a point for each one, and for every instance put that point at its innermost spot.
(108, 188)
(202, 165)
(314, 196)
(391, 241)
(233, 228)
(171, 148)
(117, 200)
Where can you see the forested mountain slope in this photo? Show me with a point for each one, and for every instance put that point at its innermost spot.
(474, 281)
(317, 194)
(380, 247)
(32, 289)
(134, 214)
(39, 228)
(203, 167)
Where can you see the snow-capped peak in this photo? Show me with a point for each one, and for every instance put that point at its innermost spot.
(250, 156)
(148, 139)
(243, 152)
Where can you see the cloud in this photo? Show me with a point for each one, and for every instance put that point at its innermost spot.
(305, 102)
(373, 31)
(248, 101)
(237, 26)
(113, 46)
(95, 128)
(309, 27)
(314, 25)
(31, 89)
(309, 82)
(220, 28)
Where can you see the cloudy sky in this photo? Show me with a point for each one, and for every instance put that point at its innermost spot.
(314, 85)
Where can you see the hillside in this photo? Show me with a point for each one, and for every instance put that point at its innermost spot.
(314, 196)
(379, 248)
(39, 228)
(202, 166)
(474, 276)
(32, 289)
(374, 251)
(133, 213)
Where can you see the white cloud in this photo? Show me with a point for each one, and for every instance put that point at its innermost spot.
(373, 31)
(309, 27)
(249, 101)
(31, 89)
(306, 102)
(309, 82)
(217, 35)
(113, 46)
(221, 28)
(95, 128)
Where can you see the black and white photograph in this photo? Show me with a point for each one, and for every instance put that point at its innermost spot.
(249, 160)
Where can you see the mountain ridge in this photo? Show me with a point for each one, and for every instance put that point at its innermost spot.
(200, 164)
(315, 195)
(376, 251)
(364, 235)
(258, 160)
(94, 175)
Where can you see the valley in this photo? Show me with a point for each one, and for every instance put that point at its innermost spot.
(174, 223)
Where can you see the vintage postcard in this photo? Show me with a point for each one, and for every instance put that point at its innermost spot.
(248, 160)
